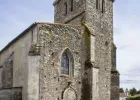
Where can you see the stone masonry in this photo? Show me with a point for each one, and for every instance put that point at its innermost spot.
(71, 59)
(54, 39)
(100, 53)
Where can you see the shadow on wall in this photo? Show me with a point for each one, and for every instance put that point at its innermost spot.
(11, 94)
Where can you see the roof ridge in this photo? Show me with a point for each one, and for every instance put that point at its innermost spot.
(57, 23)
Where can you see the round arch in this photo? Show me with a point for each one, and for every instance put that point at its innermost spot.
(69, 94)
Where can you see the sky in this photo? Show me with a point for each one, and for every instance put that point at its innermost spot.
(17, 15)
(127, 40)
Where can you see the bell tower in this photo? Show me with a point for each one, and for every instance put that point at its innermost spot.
(69, 11)
(73, 11)
(100, 52)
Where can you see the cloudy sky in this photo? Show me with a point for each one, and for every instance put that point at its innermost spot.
(127, 39)
(17, 15)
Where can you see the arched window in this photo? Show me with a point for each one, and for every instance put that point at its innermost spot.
(103, 6)
(67, 63)
(66, 8)
(71, 5)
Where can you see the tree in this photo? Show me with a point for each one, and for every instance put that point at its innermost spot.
(133, 91)
(138, 92)
(121, 90)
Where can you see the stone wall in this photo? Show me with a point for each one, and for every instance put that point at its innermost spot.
(115, 83)
(90, 45)
(101, 25)
(113, 54)
(115, 86)
(54, 39)
(78, 10)
(97, 43)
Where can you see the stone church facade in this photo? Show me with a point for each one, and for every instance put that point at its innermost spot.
(73, 58)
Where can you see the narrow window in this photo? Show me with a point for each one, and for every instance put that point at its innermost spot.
(106, 46)
(103, 6)
(66, 8)
(71, 5)
(67, 63)
(97, 4)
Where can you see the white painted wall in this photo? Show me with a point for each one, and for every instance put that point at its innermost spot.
(33, 77)
(95, 87)
(122, 98)
(20, 48)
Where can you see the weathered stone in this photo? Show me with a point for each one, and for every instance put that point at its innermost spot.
(67, 38)
(86, 36)
(100, 50)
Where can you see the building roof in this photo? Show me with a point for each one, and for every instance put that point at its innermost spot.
(123, 94)
(137, 95)
(26, 30)
(15, 39)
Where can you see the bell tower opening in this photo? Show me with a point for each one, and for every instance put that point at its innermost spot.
(65, 8)
(69, 11)
(75, 11)
(71, 5)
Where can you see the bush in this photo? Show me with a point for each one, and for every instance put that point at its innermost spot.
(133, 98)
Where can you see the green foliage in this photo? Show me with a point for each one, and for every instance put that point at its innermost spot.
(133, 98)
(121, 90)
(138, 92)
(133, 91)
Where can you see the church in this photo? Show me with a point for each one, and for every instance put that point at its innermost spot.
(73, 58)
